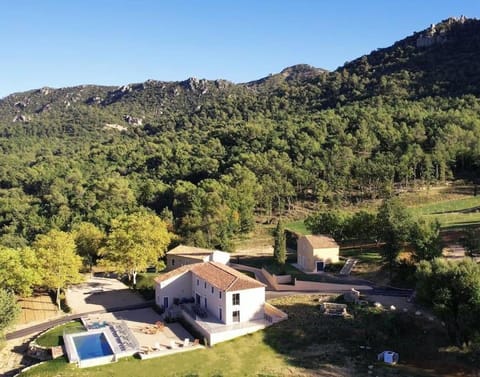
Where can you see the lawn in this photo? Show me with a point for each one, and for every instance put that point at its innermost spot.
(303, 345)
(447, 206)
(363, 256)
(450, 213)
(246, 356)
(297, 227)
(54, 337)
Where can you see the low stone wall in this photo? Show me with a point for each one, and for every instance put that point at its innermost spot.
(29, 368)
(303, 285)
(270, 278)
(283, 279)
(223, 336)
(274, 280)
(191, 321)
(275, 314)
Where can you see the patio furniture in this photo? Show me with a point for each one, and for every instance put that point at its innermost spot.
(196, 342)
(186, 342)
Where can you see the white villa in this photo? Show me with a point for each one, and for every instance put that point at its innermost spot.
(183, 255)
(218, 301)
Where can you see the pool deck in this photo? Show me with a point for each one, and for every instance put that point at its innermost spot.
(152, 341)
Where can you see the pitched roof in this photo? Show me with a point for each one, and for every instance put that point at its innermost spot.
(190, 251)
(176, 272)
(320, 242)
(217, 274)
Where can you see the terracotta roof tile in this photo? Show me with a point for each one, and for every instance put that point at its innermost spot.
(173, 273)
(219, 275)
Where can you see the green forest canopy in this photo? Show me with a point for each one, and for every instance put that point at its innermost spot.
(205, 155)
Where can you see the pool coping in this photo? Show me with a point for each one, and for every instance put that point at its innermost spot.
(71, 349)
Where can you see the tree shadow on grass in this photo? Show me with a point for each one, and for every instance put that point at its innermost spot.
(308, 339)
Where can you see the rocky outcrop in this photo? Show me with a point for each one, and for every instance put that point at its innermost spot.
(133, 120)
(113, 126)
(20, 104)
(21, 118)
(44, 108)
(95, 100)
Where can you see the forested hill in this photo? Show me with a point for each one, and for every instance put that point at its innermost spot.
(207, 154)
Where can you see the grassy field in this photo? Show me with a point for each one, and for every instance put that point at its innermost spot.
(297, 227)
(54, 337)
(442, 207)
(307, 344)
(363, 256)
(450, 213)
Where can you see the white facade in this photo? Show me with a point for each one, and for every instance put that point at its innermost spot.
(179, 286)
(220, 257)
(251, 307)
(248, 303)
(232, 303)
(208, 297)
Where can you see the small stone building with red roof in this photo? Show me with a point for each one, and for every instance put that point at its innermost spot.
(315, 252)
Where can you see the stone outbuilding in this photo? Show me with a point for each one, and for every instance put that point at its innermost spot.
(183, 255)
(315, 252)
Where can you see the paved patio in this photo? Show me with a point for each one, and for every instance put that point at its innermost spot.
(142, 324)
(100, 293)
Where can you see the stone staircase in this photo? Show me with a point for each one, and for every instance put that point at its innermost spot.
(347, 268)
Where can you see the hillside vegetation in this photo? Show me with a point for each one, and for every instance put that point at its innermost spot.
(207, 155)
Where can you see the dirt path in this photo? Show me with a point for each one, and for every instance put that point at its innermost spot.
(12, 356)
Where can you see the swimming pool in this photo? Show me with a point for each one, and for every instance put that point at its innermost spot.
(92, 345)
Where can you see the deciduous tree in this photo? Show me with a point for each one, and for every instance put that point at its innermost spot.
(88, 239)
(394, 226)
(425, 238)
(9, 309)
(59, 264)
(18, 270)
(134, 243)
(452, 290)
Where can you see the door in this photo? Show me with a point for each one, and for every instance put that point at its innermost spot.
(197, 299)
(220, 314)
(165, 302)
(205, 303)
(320, 266)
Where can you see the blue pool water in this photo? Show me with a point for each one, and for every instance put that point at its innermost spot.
(92, 345)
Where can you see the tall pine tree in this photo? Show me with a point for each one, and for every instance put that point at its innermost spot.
(280, 246)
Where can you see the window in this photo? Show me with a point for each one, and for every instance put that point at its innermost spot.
(173, 262)
(219, 294)
(236, 299)
(205, 285)
(198, 282)
(236, 316)
(213, 290)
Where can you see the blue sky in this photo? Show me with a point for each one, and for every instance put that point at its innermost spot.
(114, 42)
